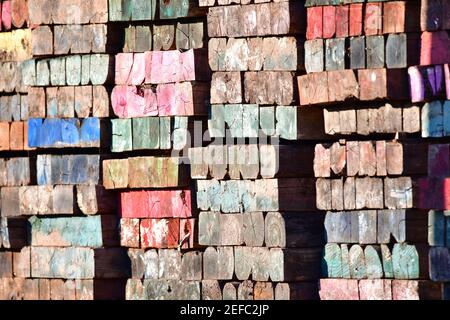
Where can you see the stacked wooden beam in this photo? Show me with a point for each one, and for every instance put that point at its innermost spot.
(257, 221)
(366, 51)
(161, 87)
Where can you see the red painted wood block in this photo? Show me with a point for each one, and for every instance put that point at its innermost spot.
(439, 160)
(156, 204)
(356, 19)
(16, 136)
(160, 233)
(433, 193)
(394, 17)
(124, 63)
(342, 21)
(130, 101)
(338, 289)
(382, 84)
(377, 289)
(373, 19)
(405, 290)
(313, 88)
(314, 28)
(4, 136)
(329, 22)
(6, 14)
(435, 48)
(187, 233)
(129, 233)
(137, 74)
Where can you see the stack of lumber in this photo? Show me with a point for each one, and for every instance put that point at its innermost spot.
(161, 85)
(261, 236)
(360, 57)
(224, 149)
(15, 48)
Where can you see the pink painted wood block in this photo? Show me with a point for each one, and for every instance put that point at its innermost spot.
(184, 100)
(187, 66)
(338, 289)
(124, 63)
(166, 98)
(160, 233)
(433, 193)
(426, 82)
(447, 80)
(187, 233)
(130, 101)
(129, 233)
(435, 48)
(137, 75)
(373, 19)
(165, 67)
(405, 290)
(1, 17)
(378, 289)
(6, 14)
(156, 204)
(439, 160)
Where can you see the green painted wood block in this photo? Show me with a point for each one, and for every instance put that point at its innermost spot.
(66, 232)
(287, 122)
(62, 263)
(345, 261)
(119, 10)
(180, 133)
(121, 135)
(146, 133)
(357, 263)
(216, 122)
(436, 228)
(85, 69)
(172, 9)
(165, 133)
(386, 258)
(42, 73)
(233, 118)
(405, 261)
(143, 10)
(332, 261)
(250, 120)
(373, 263)
(267, 120)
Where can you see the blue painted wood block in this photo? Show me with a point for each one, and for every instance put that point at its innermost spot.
(34, 127)
(432, 120)
(70, 132)
(67, 232)
(90, 132)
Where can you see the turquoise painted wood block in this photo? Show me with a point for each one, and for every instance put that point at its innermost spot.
(405, 261)
(345, 261)
(165, 138)
(250, 120)
(146, 133)
(332, 261)
(267, 120)
(432, 120)
(143, 10)
(374, 266)
(287, 122)
(436, 228)
(62, 263)
(66, 232)
(386, 258)
(121, 135)
(180, 134)
(119, 10)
